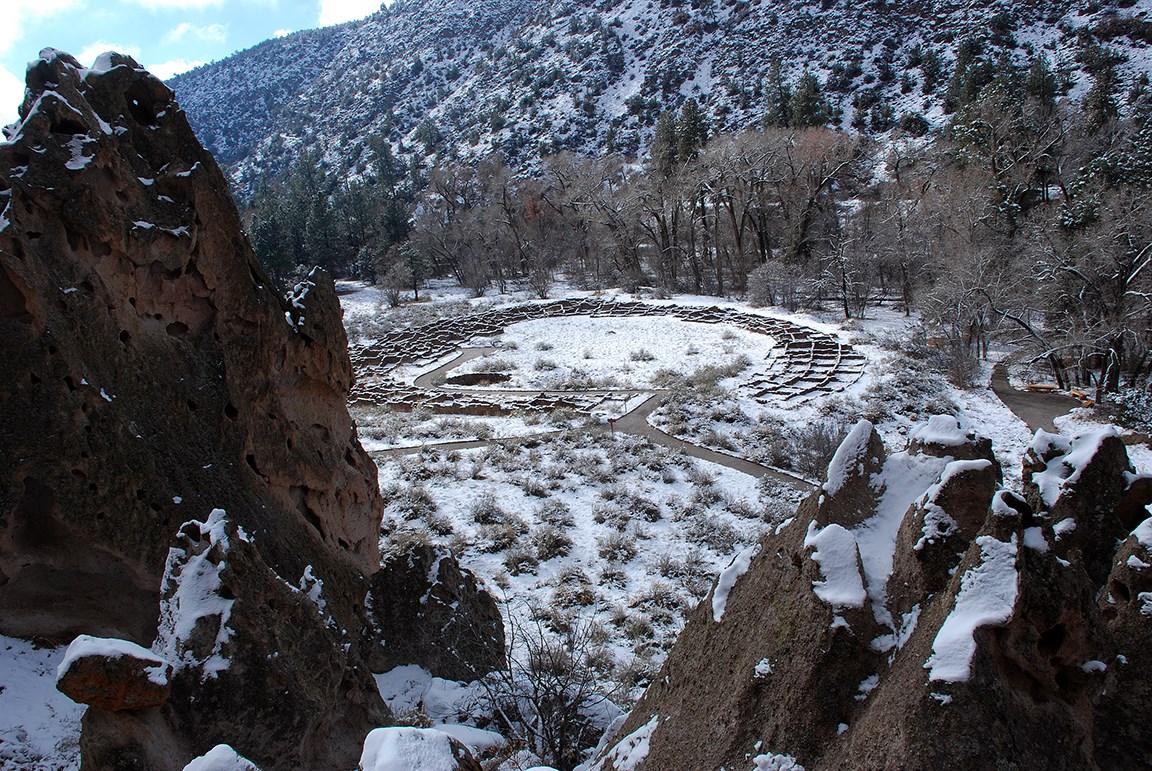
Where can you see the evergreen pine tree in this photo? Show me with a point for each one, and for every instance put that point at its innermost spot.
(1041, 84)
(691, 131)
(808, 106)
(777, 97)
(665, 144)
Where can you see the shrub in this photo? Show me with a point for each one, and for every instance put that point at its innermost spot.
(616, 547)
(550, 541)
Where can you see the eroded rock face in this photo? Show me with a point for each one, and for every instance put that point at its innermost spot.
(427, 610)
(153, 375)
(948, 629)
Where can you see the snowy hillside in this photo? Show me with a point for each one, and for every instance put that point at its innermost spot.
(526, 78)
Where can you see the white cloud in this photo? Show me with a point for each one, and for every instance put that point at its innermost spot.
(282, 33)
(338, 11)
(88, 55)
(210, 33)
(11, 95)
(17, 12)
(181, 4)
(165, 70)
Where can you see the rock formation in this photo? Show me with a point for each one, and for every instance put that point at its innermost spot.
(934, 621)
(157, 386)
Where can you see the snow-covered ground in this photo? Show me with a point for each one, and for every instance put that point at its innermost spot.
(39, 726)
(627, 353)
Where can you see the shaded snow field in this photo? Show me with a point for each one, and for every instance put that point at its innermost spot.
(39, 726)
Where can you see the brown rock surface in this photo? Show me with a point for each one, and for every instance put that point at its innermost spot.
(152, 374)
(995, 651)
(427, 610)
(113, 675)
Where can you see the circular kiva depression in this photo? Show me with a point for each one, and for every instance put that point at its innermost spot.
(787, 362)
(584, 353)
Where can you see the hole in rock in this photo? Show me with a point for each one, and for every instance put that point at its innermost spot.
(177, 329)
(1120, 591)
(1052, 639)
(230, 411)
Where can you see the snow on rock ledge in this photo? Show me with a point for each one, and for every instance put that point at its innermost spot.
(987, 596)
(113, 674)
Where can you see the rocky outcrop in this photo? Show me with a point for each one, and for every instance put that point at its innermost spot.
(156, 385)
(947, 629)
(113, 675)
(427, 610)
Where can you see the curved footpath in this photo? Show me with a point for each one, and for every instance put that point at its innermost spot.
(1037, 410)
(634, 422)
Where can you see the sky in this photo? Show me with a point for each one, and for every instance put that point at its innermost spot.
(165, 36)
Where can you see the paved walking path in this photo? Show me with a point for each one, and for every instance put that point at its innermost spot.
(1037, 410)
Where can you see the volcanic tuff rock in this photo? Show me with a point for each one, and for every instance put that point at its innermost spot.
(922, 636)
(157, 386)
(427, 610)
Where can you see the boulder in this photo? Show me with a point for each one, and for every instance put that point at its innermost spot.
(415, 749)
(113, 674)
(845, 497)
(260, 664)
(1080, 483)
(153, 367)
(425, 609)
(153, 374)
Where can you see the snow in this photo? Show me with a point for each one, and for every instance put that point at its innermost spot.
(775, 763)
(1034, 539)
(221, 758)
(39, 726)
(762, 669)
(614, 352)
(728, 578)
(408, 749)
(943, 430)
(1143, 533)
(848, 461)
(987, 596)
(630, 751)
(1063, 471)
(411, 690)
(1063, 527)
(836, 553)
(86, 645)
(193, 580)
(1145, 599)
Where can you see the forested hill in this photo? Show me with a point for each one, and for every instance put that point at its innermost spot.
(530, 77)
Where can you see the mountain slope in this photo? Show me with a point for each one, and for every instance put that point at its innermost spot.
(527, 77)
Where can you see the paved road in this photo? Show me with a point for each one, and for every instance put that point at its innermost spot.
(1037, 410)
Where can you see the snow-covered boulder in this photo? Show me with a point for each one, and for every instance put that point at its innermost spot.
(221, 758)
(1079, 483)
(415, 749)
(845, 496)
(113, 674)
